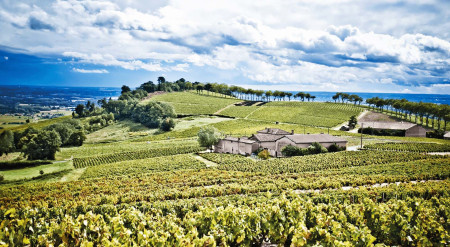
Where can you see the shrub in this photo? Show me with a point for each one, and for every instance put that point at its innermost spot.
(316, 148)
(264, 154)
(41, 172)
(2, 178)
(335, 148)
(167, 124)
(291, 150)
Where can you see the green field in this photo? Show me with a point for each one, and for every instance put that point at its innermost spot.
(190, 103)
(129, 185)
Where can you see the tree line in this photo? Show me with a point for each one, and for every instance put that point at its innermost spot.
(422, 111)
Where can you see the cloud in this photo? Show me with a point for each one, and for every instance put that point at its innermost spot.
(6, 58)
(36, 24)
(91, 71)
(302, 43)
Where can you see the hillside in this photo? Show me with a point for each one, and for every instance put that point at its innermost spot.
(132, 185)
(191, 103)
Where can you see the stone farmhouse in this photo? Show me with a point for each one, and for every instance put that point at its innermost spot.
(411, 129)
(274, 140)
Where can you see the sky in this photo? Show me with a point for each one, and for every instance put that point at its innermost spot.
(297, 45)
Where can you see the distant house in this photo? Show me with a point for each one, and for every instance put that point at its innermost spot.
(274, 140)
(411, 129)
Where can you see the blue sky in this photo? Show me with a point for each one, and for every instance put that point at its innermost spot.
(340, 45)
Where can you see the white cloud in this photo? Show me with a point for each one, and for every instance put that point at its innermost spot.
(299, 42)
(6, 58)
(91, 71)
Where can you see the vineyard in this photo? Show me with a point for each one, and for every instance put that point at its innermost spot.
(311, 162)
(159, 188)
(194, 104)
(411, 147)
(133, 155)
(306, 113)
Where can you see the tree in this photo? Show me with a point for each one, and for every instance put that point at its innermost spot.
(149, 87)
(313, 97)
(208, 136)
(161, 80)
(80, 110)
(268, 95)
(76, 139)
(6, 142)
(316, 148)
(125, 89)
(167, 124)
(352, 122)
(291, 150)
(152, 114)
(264, 154)
(44, 145)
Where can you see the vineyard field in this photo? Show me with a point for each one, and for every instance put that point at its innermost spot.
(142, 166)
(134, 155)
(306, 113)
(191, 103)
(410, 147)
(239, 111)
(311, 162)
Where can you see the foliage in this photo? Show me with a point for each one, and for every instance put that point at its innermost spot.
(9, 165)
(316, 148)
(208, 136)
(133, 155)
(41, 172)
(6, 142)
(264, 154)
(43, 145)
(335, 148)
(313, 162)
(167, 124)
(188, 103)
(410, 147)
(381, 132)
(142, 166)
(291, 150)
(305, 113)
(352, 122)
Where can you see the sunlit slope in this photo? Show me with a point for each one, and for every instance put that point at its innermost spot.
(191, 103)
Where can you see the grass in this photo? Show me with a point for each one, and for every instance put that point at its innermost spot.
(190, 103)
(190, 122)
(30, 172)
(118, 147)
(8, 122)
(38, 125)
(239, 111)
(120, 131)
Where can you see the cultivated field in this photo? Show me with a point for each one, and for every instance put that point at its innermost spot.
(131, 185)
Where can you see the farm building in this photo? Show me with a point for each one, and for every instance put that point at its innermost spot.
(410, 129)
(274, 140)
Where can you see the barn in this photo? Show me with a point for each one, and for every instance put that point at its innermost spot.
(410, 129)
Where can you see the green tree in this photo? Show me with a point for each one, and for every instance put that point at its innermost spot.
(167, 124)
(291, 150)
(352, 122)
(6, 142)
(125, 89)
(76, 139)
(44, 145)
(152, 114)
(208, 136)
(80, 110)
(161, 80)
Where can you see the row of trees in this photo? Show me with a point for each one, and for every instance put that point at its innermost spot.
(422, 111)
(345, 97)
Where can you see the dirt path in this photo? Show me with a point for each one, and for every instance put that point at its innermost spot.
(208, 163)
(228, 106)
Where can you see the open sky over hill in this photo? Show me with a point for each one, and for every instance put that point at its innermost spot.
(341, 45)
